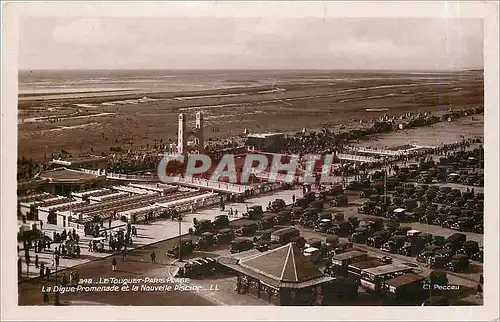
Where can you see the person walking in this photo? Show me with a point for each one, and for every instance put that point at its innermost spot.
(153, 257)
(113, 265)
(479, 291)
(36, 261)
(45, 297)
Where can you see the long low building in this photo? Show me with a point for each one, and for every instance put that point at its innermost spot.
(62, 181)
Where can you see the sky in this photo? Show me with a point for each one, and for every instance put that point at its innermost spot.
(250, 43)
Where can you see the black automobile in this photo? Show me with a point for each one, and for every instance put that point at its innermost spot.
(394, 244)
(458, 263)
(224, 236)
(449, 222)
(378, 239)
(478, 228)
(455, 241)
(185, 248)
(354, 221)
(206, 240)
(262, 245)
(341, 228)
(479, 255)
(438, 240)
(402, 231)
(266, 222)
(463, 224)
(365, 193)
(412, 248)
(375, 224)
(241, 244)
(427, 238)
(323, 225)
(203, 225)
(284, 216)
(424, 256)
(264, 235)
(360, 235)
(367, 208)
(391, 226)
(277, 205)
(469, 248)
(440, 258)
(253, 212)
(247, 229)
(221, 221)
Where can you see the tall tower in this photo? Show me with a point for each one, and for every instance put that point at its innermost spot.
(200, 142)
(181, 139)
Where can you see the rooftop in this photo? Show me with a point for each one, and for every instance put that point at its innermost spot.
(68, 175)
(348, 255)
(404, 279)
(367, 264)
(283, 267)
(386, 269)
(285, 264)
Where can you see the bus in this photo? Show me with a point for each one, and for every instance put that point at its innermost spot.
(373, 278)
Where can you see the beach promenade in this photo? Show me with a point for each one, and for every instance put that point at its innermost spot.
(146, 233)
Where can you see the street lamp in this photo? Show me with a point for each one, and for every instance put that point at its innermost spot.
(179, 219)
(56, 302)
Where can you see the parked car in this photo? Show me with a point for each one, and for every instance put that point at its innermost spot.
(378, 239)
(340, 228)
(313, 254)
(458, 263)
(247, 229)
(394, 244)
(241, 244)
(224, 235)
(203, 225)
(469, 248)
(360, 235)
(424, 256)
(221, 221)
(455, 241)
(277, 205)
(253, 212)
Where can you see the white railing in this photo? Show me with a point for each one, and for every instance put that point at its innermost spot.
(351, 157)
(210, 184)
(132, 177)
(94, 172)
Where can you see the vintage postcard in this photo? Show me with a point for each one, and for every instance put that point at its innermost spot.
(250, 160)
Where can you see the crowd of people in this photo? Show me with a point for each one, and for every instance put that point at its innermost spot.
(327, 142)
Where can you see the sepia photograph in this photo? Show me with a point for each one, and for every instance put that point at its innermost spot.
(259, 159)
